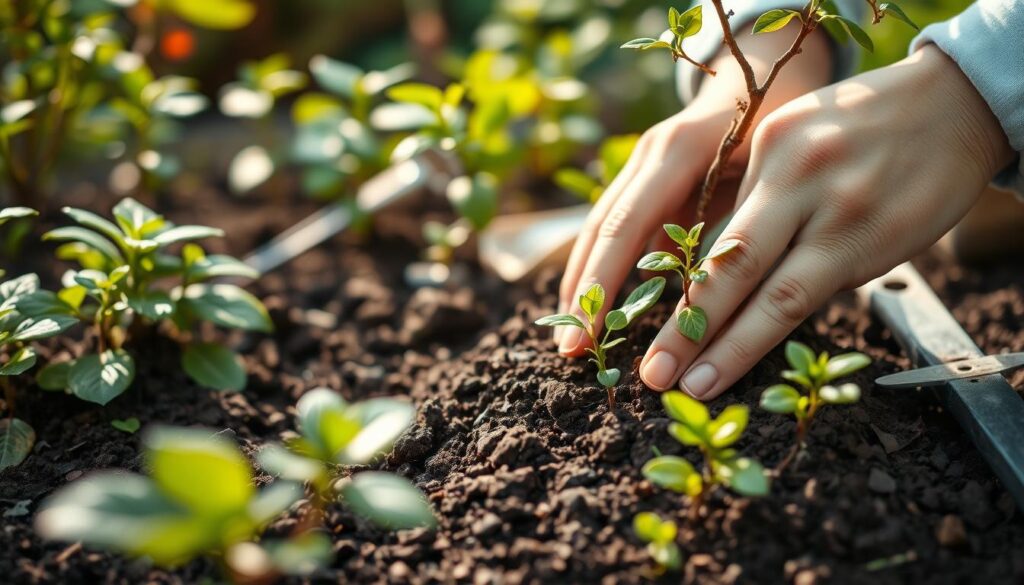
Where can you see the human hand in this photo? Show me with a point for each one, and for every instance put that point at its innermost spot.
(669, 164)
(843, 184)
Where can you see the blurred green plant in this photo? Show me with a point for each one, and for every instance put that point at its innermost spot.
(660, 536)
(123, 266)
(591, 302)
(693, 426)
(591, 184)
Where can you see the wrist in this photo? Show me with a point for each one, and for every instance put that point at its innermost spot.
(957, 101)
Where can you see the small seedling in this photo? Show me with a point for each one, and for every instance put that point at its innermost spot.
(128, 425)
(122, 268)
(692, 321)
(814, 376)
(660, 536)
(333, 433)
(693, 426)
(199, 498)
(591, 302)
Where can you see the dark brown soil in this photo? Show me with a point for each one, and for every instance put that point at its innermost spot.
(533, 479)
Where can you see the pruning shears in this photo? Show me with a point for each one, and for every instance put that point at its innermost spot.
(955, 370)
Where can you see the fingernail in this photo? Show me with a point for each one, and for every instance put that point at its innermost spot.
(699, 380)
(660, 371)
(570, 341)
(557, 336)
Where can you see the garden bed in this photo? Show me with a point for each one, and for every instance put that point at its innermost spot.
(533, 479)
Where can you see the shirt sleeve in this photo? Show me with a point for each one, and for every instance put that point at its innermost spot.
(704, 45)
(987, 42)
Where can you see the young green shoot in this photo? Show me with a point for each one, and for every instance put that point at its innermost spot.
(813, 375)
(693, 426)
(591, 302)
(660, 536)
(815, 13)
(692, 321)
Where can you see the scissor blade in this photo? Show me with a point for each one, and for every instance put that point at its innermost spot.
(958, 370)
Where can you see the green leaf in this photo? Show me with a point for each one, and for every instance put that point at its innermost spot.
(54, 376)
(797, 378)
(609, 378)
(729, 426)
(101, 378)
(281, 462)
(642, 298)
(692, 323)
(42, 303)
(421, 94)
(20, 362)
(489, 117)
(689, 23)
(335, 76)
(659, 261)
(650, 528)
(125, 512)
(32, 329)
(187, 232)
(95, 223)
(845, 364)
(614, 343)
(666, 555)
(684, 435)
(228, 306)
(9, 213)
(388, 500)
(842, 394)
(89, 238)
(616, 320)
(16, 441)
(592, 301)
(214, 14)
(854, 30)
(674, 473)
(721, 249)
(774, 20)
(128, 425)
(219, 265)
(301, 555)
(678, 234)
(780, 398)
(214, 366)
(689, 411)
(152, 304)
(560, 320)
(800, 357)
(890, 9)
(325, 424)
(134, 216)
(204, 472)
(641, 44)
(475, 198)
(578, 183)
(673, 16)
(381, 422)
(744, 476)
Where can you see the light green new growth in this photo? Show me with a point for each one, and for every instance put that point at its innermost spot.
(660, 536)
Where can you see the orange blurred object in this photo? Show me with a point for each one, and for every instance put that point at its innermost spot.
(177, 44)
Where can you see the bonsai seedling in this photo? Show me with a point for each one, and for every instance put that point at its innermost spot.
(814, 376)
(693, 426)
(692, 321)
(660, 536)
(117, 286)
(591, 302)
(335, 433)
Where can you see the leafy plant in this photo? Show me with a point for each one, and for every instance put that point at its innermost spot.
(16, 332)
(122, 266)
(693, 426)
(813, 375)
(334, 433)
(692, 321)
(815, 13)
(198, 498)
(660, 536)
(612, 157)
(592, 301)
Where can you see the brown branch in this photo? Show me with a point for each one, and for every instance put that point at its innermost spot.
(747, 110)
(676, 55)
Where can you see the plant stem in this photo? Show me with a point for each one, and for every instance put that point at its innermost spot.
(747, 110)
(8, 395)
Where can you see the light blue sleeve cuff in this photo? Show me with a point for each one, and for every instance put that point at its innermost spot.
(703, 46)
(987, 42)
